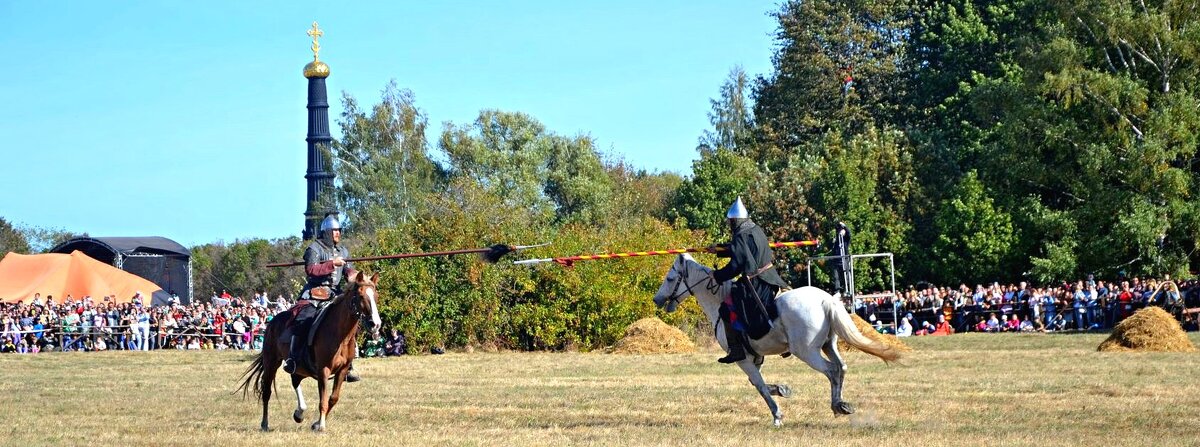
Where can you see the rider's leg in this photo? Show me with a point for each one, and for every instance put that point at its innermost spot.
(294, 353)
(351, 376)
(733, 340)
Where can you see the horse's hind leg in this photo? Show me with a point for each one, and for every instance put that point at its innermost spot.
(751, 368)
(267, 384)
(298, 415)
(837, 377)
(777, 389)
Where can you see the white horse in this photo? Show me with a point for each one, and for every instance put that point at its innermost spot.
(810, 321)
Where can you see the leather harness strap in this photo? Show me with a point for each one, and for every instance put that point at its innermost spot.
(761, 270)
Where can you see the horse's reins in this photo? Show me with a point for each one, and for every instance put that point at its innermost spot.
(355, 307)
(675, 297)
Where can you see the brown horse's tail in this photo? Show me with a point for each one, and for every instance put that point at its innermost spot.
(845, 328)
(253, 375)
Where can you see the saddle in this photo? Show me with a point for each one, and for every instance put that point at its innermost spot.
(754, 313)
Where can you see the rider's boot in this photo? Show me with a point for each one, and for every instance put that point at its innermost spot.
(289, 365)
(733, 339)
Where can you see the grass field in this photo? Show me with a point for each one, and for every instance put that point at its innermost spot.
(977, 390)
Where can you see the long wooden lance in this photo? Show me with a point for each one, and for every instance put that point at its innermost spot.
(570, 260)
(488, 254)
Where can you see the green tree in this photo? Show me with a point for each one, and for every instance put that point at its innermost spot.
(718, 177)
(383, 168)
(975, 238)
(239, 268)
(11, 239)
(638, 193)
(513, 156)
(866, 181)
(731, 115)
(823, 44)
(576, 181)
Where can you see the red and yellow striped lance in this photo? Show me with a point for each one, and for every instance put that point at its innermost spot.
(570, 260)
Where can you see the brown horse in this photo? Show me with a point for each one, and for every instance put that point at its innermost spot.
(333, 348)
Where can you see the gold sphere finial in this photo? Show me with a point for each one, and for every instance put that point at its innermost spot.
(316, 68)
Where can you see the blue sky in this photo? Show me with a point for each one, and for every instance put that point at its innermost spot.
(187, 119)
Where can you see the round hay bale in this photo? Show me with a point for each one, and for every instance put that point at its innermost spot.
(652, 336)
(1149, 329)
(871, 333)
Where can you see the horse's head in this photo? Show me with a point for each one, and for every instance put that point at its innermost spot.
(365, 294)
(678, 284)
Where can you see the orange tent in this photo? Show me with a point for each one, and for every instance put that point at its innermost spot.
(75, 274)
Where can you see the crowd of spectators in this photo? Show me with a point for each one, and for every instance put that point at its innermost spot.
(228, 322)
(88, 324)
(1079, 306)
(85, 324)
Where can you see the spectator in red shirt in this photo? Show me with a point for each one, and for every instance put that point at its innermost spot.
(1125, 301)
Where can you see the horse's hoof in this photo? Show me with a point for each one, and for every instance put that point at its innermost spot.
(298, 416)
(316, 426)
(265, 428)
(843, 408)
(782, 390)
(778, 422)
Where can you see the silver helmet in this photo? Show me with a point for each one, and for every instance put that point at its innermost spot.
(737, 214)
(329, 224)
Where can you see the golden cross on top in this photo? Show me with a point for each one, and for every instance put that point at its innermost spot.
(315, 33)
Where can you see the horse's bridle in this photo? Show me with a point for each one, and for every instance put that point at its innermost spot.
(683, 276)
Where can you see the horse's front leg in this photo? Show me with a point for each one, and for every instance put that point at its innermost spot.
(336, 393)
(750, 367)
(322, 389)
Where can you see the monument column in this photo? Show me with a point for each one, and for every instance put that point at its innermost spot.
(320, 167)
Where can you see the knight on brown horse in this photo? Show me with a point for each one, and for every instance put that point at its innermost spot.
(333, 348)
(326, 269)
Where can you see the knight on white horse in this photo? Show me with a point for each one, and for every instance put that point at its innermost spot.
(750, 307)
(808, 323)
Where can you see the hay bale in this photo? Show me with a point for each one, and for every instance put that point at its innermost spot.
(871, 333)
(652, 336)
(1149, 329)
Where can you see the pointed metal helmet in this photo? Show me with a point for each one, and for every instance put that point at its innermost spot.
(737, 210)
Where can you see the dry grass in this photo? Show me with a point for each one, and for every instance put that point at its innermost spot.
(968, 389)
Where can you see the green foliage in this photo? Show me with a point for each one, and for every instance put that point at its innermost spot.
(11, 240)
(513, 156)
(731, 117)
(238, 268)
(637, 193)
(975, 238)
(459, 301)
(718, 177)
(820, 44)
(381, 162)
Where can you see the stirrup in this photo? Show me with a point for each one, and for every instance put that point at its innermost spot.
(733, 357)
(289, 366)
(737, 352)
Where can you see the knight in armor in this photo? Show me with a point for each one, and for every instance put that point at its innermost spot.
(841, 249)
(752, 295)
(327, 270)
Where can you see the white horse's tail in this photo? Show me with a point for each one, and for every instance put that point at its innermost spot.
(840, 320)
